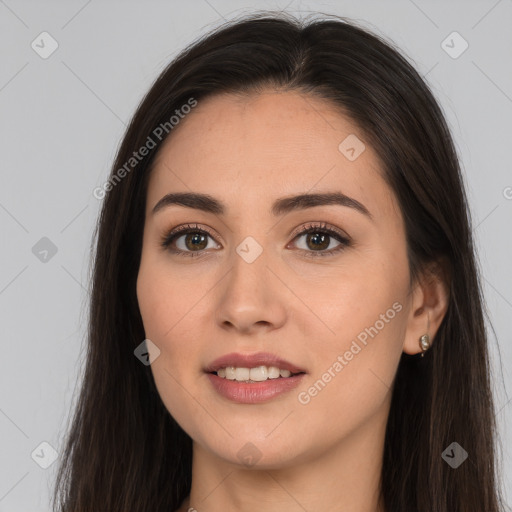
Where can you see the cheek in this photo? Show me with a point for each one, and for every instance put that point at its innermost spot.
(161, 298)
(362, 299)
(365, 310)
(166, 305)
(161, 310)
(354, 367)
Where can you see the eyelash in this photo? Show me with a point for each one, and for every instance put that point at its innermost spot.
(322, 228)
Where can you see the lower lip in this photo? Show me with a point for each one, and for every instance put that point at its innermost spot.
(256, 392)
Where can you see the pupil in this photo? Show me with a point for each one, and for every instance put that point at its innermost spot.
(320, 240)
(195, 239)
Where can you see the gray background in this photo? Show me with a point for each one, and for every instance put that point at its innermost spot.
(61, 121)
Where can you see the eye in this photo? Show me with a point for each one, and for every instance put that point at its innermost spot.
(195, 240)
(318, 237)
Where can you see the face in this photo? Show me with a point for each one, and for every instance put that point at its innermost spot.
(318, 288)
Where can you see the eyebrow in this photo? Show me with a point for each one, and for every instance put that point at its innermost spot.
(281, 206)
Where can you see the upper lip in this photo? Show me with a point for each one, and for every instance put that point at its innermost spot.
(252, 361)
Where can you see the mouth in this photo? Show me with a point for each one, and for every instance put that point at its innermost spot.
(253, 378)
(253, 367)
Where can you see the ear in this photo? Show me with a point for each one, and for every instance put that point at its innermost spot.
(429, 300)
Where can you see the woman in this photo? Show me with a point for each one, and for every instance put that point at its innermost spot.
(286, 313)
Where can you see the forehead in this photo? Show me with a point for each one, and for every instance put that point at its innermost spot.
(258, 147)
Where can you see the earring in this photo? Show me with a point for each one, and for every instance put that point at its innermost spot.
(425, 339)
(424, 343)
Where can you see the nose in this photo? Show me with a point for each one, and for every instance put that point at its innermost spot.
(251, 297)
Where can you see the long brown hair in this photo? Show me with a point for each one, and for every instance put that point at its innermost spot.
(124, 451)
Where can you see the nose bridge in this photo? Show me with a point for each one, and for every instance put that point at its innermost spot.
(249, 273)
(249, 296)
(253, 252)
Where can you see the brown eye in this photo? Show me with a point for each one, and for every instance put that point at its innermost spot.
(318, 239)
(190, 240)
(187, 241)
(195, 241)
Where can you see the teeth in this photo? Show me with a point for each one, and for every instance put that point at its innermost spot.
(258, 374)
(273, 372)
(242, 373)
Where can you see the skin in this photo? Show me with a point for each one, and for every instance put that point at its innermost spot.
(247, 152)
